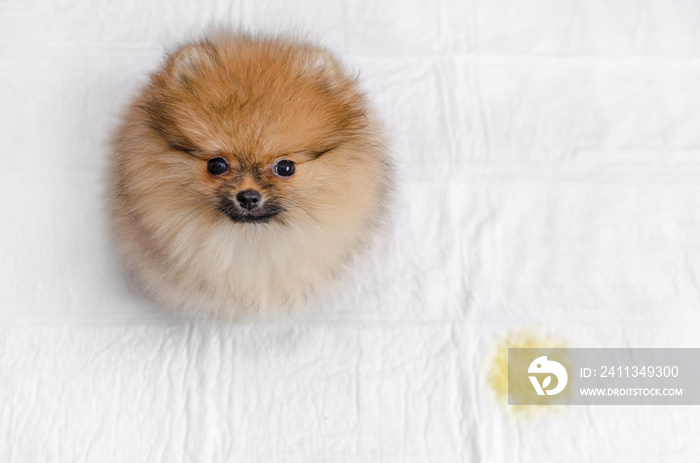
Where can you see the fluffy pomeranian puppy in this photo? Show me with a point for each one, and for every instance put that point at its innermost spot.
(245, 175)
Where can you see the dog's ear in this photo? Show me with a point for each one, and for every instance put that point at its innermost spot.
(319, 62)
(190, 60)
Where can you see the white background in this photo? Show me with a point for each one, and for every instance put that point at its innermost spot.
(548, 163)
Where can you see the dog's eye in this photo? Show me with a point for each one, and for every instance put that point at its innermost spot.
(217, 166)
(284, 168)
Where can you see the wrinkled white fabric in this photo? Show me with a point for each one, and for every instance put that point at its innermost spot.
(548, 172)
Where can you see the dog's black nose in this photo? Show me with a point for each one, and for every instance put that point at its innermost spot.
(248, 199)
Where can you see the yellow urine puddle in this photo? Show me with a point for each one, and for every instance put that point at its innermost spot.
(497, 374)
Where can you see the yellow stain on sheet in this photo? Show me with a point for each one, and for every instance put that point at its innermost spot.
(497, 375)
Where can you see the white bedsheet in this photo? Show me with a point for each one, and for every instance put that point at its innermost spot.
(548, 156)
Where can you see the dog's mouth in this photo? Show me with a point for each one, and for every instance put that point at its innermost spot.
(261, 214)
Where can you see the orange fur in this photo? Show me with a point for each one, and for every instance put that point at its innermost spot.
(251, 101)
